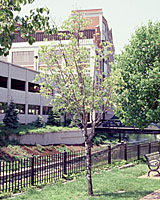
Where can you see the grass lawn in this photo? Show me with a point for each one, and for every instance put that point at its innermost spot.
(117, 184)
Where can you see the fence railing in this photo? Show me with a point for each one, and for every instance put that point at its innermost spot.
(15, 175)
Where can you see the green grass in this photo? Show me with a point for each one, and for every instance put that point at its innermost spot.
(116, 184)
(24, 129)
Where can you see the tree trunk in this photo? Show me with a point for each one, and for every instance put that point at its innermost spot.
(89, 172)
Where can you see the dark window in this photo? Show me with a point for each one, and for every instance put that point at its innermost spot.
(3, 81)
(32, 87)
(33, 110)
(3, 107)
(88, 117)
(17, 85)
(21, 108)
(46, 110)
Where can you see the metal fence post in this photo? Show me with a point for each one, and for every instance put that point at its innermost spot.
(65, 162)
(109, 154)
(149, 147)
(138, 151)
(159, 146)
(32, 170)
(125, 151)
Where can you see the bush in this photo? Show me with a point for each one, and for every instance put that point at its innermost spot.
(11, 116)
(54, 118)
(39, 122)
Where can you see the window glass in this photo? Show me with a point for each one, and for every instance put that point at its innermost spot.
(3, 107)
(23, 57)
(21, 108)
(3, 81)
(17, 84)
(33, 110)
(32, 87)
(46, 110)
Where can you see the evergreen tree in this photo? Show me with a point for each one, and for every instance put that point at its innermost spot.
(39, 122)
(11, 116)
(54, 118)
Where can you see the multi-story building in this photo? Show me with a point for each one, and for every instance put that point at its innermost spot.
(26, 55)
(16, 83)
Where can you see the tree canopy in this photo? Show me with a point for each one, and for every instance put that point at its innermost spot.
(137, 98)
(80, 86)
(11, 23)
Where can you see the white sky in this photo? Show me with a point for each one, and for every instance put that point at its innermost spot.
(123, 16)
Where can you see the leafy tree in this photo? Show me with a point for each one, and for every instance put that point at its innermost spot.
(77, 90)
(53, 118)
(137, 91)
(11, 23)
(11, 116)
(39, 122)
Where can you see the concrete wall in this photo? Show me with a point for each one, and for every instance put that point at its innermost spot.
(67, 137)
(21, 97)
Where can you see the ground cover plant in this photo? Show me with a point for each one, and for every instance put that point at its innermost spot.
(117, 184)
(30, 128)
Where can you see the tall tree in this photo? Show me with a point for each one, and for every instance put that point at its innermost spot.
(77, 90)
(137, 98)
(11, 23)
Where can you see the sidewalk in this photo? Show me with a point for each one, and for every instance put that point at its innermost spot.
(153, 196)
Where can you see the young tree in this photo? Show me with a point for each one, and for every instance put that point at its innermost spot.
(80, 89)
(39, 122)
(54, 118)
(137, 100)
(11, 116)
(12, 24)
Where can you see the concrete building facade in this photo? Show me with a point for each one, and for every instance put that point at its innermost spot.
(16, 83)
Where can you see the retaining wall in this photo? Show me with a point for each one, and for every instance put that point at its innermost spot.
(67, 137)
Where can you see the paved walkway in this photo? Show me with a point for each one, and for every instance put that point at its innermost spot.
(153, 196)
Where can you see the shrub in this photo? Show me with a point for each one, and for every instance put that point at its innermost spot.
(39, 122)
(11, 116)
(54, 118)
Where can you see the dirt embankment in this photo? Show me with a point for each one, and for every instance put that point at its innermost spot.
(14, 152)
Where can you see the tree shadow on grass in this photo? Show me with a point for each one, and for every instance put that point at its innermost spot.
(122, 194)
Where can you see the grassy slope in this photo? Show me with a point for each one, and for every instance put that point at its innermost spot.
(106, 186)
(23, 129)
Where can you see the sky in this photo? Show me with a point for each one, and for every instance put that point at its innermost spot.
(123, 16)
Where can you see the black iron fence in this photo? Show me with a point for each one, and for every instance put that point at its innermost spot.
(15, 175)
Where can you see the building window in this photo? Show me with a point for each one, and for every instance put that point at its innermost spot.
(33, 110)
(3, 81)
(46, 110)
(104, 27)
(17, 84)
(32, 87)
(3, 107)
(23, 57)
(21, 108)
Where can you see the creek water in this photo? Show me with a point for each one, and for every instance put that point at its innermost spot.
(142, 138)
